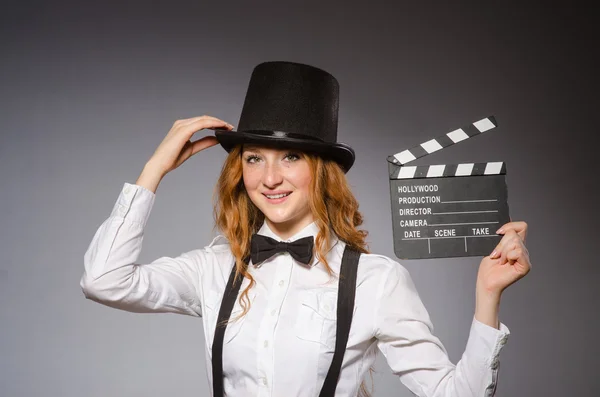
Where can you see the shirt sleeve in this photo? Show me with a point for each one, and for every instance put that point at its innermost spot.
(404, 336)
(112, 276)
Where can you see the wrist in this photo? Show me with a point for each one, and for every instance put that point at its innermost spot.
(153, 168)
(150, 177)
(488, 317)
(488, 295)
(487, 300)
(487, 308)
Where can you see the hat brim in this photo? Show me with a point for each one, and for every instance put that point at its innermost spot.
(341, 153)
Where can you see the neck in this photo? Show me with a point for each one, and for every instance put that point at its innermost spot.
(285, 230)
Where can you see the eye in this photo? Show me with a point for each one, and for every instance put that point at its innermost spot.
(251, 158)
(292, 156)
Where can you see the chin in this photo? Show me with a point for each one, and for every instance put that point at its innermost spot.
(282, 216)
(278, 218)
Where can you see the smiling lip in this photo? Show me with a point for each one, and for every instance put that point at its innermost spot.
(277, 200)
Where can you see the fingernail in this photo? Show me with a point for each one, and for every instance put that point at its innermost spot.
(493, 254)
(501, 230)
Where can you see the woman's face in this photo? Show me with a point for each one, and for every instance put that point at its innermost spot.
(278, 183)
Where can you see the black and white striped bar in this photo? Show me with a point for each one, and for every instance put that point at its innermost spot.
(449, 139)
(447, 170)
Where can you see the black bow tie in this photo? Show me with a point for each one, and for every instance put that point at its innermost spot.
(263, 247)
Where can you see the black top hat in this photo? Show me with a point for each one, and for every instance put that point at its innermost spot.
(291, 105)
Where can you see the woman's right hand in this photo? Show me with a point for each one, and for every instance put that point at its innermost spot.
(177, 146)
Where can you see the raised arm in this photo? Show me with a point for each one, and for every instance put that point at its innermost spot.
(112, 275)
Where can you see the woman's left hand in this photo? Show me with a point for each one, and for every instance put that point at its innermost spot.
(507, 263)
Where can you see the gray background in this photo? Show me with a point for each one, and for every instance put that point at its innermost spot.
(89, 91)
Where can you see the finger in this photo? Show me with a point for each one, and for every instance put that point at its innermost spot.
(519, 256)
(178, 125)
(190, 129)
(514, 225)
(203, 143)
(504, 256)
(515, 253)
(205, 117)
(190, 119)
(180, 122)
(520, 227)
(503, 241)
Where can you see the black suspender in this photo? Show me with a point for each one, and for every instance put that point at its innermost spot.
(345, 309)
(231, 291)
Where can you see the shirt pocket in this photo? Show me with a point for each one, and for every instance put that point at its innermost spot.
(213, 305)
(316, 321)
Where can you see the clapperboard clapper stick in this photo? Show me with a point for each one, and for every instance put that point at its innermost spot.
(442, 211)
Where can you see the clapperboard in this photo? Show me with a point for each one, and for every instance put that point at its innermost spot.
(441, 211)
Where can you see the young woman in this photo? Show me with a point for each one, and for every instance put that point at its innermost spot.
(287, 215)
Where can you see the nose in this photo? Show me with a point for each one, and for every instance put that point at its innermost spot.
(272, 175)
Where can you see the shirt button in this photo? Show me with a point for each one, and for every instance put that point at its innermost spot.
(264, 381)
(281, 283)
(266, 343)
(273, 312)
(127, 189)
(495, 364)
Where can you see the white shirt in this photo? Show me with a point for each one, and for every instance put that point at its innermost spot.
(284, 345)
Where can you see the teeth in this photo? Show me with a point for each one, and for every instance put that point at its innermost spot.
(276, 196)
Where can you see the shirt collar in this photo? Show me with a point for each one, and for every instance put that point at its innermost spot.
(309, 230)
